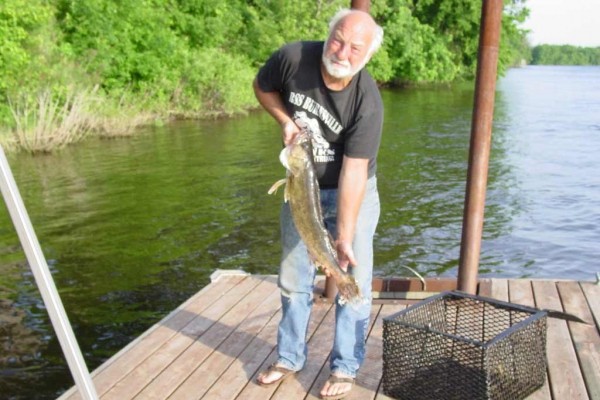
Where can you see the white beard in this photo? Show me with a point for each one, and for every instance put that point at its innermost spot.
(341, 71)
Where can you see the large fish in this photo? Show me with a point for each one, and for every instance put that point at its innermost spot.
(302, 192)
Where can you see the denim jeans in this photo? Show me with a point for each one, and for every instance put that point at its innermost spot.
(296, 281)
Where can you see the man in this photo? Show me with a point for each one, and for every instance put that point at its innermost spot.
(324, 86)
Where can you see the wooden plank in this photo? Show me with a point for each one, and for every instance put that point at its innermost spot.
(369, 375)
(253, 391)
(136, 380)
(592, 295)
(566, 381)
(210, 342)
(368, 381)
(246, 366)
(499, 289)
(383, 396)
(485, 287)
(521, 292)
(585, 337)
(137, 351)
(227, 352)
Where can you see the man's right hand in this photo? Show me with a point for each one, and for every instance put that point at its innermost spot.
(289, 131)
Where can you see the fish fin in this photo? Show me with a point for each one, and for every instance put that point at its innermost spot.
(286, 193)
(276, 186)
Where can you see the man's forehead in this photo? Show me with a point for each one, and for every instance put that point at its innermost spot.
(355, 31)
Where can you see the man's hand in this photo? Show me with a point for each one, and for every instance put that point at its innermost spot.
(289, 131)
(345, 254)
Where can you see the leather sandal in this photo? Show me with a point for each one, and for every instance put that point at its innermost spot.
(285, 373)
(339, 379)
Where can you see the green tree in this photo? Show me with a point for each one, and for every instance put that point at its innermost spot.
(513, 44)
(547, 54)
(196, 58)
(124, 43)
(21, 25)
(458, 22)
(32, 58)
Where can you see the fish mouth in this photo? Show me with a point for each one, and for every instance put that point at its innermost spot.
(284, 156)
(304, 135)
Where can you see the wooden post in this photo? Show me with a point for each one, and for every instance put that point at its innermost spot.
(362, 5)
(479, 153)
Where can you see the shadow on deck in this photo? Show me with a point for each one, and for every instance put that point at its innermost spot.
(213, 345)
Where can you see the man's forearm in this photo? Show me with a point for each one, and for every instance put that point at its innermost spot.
(351, 191)
(272, 103)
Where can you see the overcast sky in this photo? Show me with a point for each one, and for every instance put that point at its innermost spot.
(575, 22)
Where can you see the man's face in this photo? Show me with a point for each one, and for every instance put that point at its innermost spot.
(347, 50)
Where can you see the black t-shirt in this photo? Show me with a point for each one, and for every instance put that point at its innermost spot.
(350, 120)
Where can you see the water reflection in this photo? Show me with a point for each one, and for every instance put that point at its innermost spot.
(422, 173)
(132, 227)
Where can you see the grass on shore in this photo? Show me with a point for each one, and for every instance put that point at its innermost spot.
(50, 122)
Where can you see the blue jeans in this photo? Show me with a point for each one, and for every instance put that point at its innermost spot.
(296, 281)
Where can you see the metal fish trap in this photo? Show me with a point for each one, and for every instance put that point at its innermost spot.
(456, 346)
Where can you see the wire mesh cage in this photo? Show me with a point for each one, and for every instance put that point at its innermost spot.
(456, 346)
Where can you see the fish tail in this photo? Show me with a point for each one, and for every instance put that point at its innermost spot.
(349, 290)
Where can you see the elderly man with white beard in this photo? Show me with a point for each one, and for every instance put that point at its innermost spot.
(324, 86)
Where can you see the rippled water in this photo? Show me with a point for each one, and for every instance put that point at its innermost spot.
(549, 127)
(132, 227)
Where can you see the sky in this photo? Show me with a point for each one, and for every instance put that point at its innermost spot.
(575, 22)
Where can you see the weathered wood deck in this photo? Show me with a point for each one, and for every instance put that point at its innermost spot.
(213, 345)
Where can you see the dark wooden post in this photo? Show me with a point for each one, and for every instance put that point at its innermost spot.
(330, 288)
(479, 153)
(362, 5)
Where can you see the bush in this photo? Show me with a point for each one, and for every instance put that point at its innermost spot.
(214, 83)
(196, 58)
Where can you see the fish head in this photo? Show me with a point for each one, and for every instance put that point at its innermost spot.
(296, 156)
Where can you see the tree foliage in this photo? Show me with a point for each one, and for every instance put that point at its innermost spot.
(547, 54)
(198, 57)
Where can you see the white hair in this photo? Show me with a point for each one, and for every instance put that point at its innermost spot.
(377, 39)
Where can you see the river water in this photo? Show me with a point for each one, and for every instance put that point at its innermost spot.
(132, 227)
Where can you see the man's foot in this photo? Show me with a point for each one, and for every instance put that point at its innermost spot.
(273, 375)
(337, 387)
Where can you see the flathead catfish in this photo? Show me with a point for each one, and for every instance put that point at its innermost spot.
(302, 192)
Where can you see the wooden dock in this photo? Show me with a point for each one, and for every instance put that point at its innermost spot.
(213, 345)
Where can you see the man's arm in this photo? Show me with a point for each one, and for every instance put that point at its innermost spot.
(272, 103)
(351, 190)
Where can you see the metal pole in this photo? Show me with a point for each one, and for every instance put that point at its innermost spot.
(362, 5)
(479, 154)
(44, 281)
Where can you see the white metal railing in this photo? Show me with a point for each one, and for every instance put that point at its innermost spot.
(44, 281)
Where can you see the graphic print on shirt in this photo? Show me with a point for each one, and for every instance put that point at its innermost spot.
(321, 151)
(316, 109)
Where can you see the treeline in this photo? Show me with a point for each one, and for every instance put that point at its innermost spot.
(70, 67)
(547, 54)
